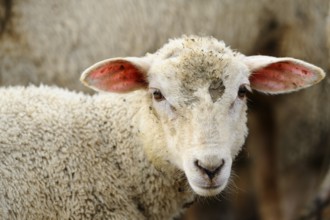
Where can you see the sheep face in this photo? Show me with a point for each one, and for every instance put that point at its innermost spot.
(200, 101)
(197, 89)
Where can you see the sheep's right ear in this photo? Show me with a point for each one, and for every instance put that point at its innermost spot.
(118, 75)
(281, 75)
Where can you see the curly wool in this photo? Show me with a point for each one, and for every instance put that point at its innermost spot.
(67, 155)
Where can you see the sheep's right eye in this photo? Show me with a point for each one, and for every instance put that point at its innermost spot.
(242, 91)
(158, 96)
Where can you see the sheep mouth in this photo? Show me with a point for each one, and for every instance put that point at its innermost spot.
(210, 187)
(207, 190)
(210, 184)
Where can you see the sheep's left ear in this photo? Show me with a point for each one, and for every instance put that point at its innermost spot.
(280, 75)
(119, 75)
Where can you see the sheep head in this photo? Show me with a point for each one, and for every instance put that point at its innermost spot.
(197, 88)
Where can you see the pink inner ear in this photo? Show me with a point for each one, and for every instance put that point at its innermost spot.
(281, 77)
(117, 76)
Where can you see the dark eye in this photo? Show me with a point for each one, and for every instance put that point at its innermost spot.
(242, 91)
(158, 96)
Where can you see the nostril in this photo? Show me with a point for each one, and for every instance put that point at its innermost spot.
(209, 170)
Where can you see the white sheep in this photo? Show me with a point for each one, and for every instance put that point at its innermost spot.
(177, 126)
(52, 41)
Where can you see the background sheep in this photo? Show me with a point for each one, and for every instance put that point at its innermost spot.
(61, 38)
(73, 35)
(68, 155)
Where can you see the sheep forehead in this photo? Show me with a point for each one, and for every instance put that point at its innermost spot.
(198, 68)
(175, 46)
(192, 63)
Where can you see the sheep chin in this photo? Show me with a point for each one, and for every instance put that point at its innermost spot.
(207, 191)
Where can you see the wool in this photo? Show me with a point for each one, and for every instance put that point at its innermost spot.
(58, 162)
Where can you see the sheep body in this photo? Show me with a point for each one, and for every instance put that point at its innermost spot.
(57, 162)
(68, 155)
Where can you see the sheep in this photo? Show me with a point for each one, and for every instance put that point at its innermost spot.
(38, 52)
(35, 51)
(162, 129)
(300, 157)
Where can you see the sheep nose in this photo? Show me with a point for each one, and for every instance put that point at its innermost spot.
(210, 170)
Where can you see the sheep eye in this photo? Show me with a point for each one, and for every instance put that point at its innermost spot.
(242, 91)
(158, 96)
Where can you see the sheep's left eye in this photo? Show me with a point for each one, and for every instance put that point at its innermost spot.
(242, 91)
(158, 96)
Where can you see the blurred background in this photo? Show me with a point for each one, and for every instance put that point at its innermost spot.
(283, 171)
